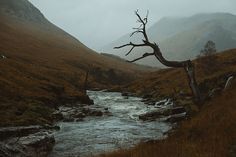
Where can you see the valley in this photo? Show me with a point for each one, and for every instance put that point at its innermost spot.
(58, 97)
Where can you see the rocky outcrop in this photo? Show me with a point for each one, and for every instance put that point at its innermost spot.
(167, 110)
(79, 112)
(11, 132)
(26, 141)
(229, 82)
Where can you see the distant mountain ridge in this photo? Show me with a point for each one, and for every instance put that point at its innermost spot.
(22, 9)
(182, 38)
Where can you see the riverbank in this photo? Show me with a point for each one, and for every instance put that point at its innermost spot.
(118, 127)
(210, 133)
(210, 129)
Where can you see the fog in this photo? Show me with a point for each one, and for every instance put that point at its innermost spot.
(99, 22)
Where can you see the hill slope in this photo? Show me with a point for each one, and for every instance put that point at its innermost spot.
(183, 38)
(42, 66)
(210, 130)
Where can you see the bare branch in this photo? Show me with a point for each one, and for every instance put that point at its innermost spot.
(130, 44)
(187, 65)
(139, 31)
(146, 18)
(139, 18)
(144, 56)
(143, 24)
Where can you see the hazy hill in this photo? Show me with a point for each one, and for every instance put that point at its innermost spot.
(42, 66)
(183, 38)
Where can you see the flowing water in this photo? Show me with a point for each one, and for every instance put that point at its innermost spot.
(97, 135)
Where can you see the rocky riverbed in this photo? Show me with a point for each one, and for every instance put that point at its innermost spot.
(26, 141)
(113, 122)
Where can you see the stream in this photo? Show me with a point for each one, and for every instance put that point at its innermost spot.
(96, 135)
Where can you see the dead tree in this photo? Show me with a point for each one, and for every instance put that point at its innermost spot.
(86, 81)
(187, 65)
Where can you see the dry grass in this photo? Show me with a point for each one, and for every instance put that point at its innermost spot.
(166, 82)
(209, 133)
(46, 66)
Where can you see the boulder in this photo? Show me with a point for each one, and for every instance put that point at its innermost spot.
(229, 82)
(57, 116)
(159, 113)
(69, 119)
(176, 117)
(97, 113)
(9, 132)
(38, 144)
(178, 110)
(79, 115)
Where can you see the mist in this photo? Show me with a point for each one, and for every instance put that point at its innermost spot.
(99, 22)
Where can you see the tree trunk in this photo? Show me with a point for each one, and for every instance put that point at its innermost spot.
(189, 69)
(187, 65)
(86, 81)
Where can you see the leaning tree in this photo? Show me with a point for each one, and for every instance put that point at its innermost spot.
(187, 65)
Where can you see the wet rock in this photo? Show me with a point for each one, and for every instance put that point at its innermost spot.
(163, 112)
(9, 132)
(97, 113)
(70, 119)
(77, 113)
(38, 144)
(86, 111)
(80, 115)
(51, 127)
(79, 119)
(127, 94)
(229, 82)
(146, 96)
(178, 110)
(214, 92)
(176, 117)
(2, 56)
(108, 113)
(57, 116)
(150, 102)
(160, 103)
(166, 104)
(154, 115)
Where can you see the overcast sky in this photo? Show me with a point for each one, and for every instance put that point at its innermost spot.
(98, 22)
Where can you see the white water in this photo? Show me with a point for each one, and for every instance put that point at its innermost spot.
(97, 135)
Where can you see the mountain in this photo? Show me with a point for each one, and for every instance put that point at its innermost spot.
(42, 66)
(183, 38)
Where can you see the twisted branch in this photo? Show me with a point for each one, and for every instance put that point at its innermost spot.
(144, 56)
(187, 65)
(130, 44)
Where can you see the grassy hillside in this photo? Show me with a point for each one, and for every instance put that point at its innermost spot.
(211, 131)
(43, 66)
(168, 82)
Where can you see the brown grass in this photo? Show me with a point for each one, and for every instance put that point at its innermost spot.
(209, 133)
(46, 66)
(165, 82)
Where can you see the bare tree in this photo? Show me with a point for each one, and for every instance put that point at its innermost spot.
(208, 59)
(187, 65)
(209, 49)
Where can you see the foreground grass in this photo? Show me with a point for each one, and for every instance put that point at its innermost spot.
(211, 133)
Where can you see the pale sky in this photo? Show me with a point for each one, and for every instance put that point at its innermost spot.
(99, 22)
